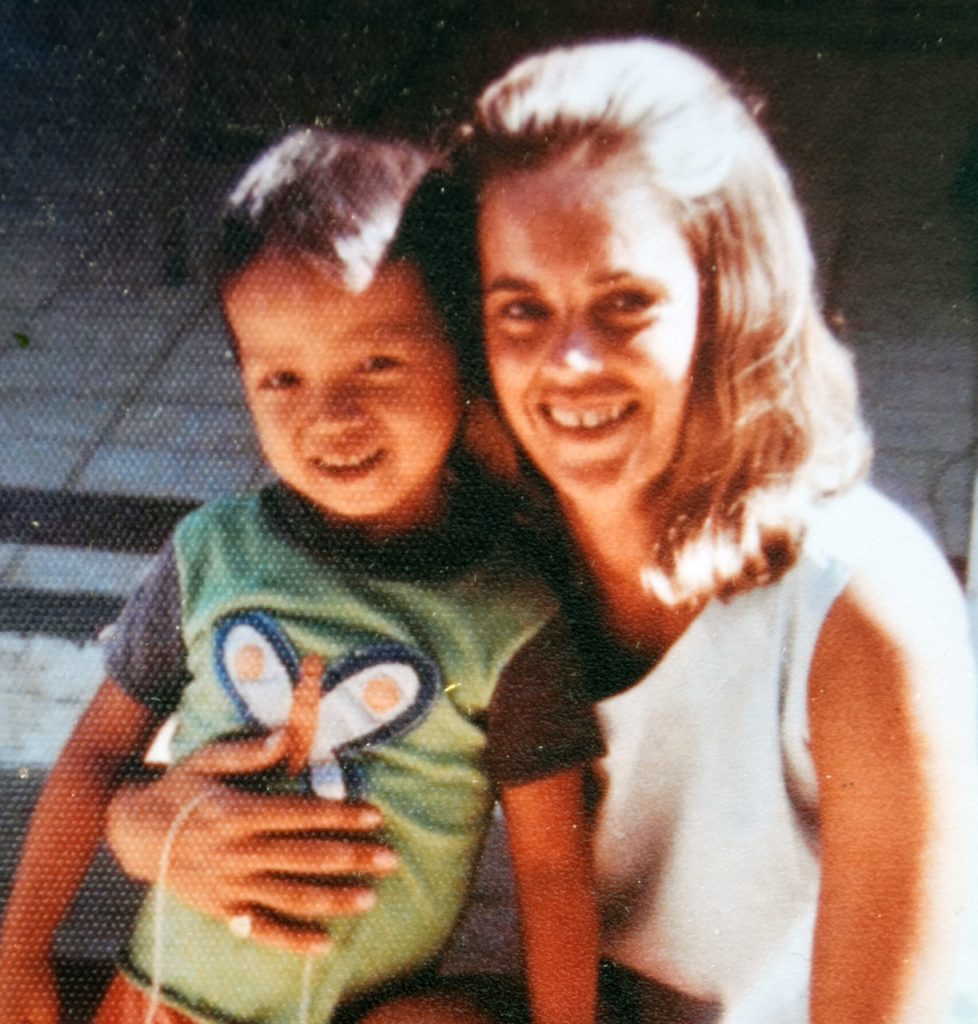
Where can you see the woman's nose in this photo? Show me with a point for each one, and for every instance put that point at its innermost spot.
(576, 351)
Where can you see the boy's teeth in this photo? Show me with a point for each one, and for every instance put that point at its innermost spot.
(343, 462)
(586, 419)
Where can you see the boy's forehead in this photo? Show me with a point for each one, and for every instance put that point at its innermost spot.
(283, 301)
(283, 279)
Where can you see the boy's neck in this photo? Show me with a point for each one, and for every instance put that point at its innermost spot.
(424, 517)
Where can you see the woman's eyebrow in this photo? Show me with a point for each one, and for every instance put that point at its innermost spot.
(609, 277)
(508, 284)
(617, 276)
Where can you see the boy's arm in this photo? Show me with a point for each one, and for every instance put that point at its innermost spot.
(63, 836)
(551, 851)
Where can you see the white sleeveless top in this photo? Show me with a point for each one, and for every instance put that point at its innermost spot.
(707, 840)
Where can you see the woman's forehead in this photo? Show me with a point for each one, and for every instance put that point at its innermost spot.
(566, 211)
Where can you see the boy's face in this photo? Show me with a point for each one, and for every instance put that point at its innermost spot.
(355, 397)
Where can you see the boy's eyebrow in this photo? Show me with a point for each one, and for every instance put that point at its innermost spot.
(407, 320)
(398, 325)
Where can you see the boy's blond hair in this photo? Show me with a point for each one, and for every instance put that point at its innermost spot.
(338, 200)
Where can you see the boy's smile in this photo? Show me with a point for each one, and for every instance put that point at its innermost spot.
(355, 397)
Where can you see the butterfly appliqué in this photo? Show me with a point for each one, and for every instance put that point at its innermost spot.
(371, 696)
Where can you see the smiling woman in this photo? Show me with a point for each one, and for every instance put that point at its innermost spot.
(644, 186)
(785, 826)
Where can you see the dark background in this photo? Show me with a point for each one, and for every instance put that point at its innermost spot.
(185, 80)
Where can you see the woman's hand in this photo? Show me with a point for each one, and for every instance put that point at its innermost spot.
(28, 992)
(285, 861)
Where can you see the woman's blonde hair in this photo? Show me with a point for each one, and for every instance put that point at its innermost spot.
(773, 423)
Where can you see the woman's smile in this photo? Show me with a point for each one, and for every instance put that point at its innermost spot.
(588, 420)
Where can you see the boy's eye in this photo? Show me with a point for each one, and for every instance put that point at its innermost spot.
(280, 380)
(377, 364)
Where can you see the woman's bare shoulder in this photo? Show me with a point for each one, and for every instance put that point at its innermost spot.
(902, 600)
(883, 545)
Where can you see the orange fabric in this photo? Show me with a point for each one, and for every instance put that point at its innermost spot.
(126, 1004)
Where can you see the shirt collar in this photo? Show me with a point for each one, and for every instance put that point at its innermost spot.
(478, 514)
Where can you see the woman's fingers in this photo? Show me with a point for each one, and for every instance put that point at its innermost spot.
(259, 814)
(310, 856)
(239, 757)
(221, 844)
(293, 936)
(275, 863)
(225, 889)
(305, 901)
(286, 913)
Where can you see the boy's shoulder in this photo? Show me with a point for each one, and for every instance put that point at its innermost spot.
(219, 512)
(229, 516)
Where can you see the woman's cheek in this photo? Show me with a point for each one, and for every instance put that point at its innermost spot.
(505, 380)
(505, 367)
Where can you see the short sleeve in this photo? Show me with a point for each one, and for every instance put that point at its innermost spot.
(540, 719)
(145, 651)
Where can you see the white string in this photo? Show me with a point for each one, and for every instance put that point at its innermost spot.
(156, 975)
(306, 990)
(156, 971)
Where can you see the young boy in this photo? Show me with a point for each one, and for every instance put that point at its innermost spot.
(369, 601)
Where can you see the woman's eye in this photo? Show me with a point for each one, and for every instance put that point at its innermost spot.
(631, 303)
(523, 311)
(377, 364)
(280, 380)
(518, 319)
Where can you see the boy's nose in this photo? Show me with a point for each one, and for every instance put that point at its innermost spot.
(336, 404)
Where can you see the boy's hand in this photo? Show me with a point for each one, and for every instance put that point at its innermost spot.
(28, 991)
(286, 862)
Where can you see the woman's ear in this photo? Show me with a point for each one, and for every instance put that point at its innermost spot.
(488, 441)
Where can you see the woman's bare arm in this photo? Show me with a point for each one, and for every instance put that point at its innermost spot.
(892, 711)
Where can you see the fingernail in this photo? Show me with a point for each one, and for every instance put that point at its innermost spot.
(274, 739)
(370, 817)
(385, 859)
(364, 900)
(320, 948)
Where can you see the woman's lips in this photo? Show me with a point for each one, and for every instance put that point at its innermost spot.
(587, 418)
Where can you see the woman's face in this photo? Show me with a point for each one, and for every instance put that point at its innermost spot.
(591, 306)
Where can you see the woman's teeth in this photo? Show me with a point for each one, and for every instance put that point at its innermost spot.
(592, 418)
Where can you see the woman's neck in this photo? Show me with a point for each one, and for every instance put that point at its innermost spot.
(615, 542)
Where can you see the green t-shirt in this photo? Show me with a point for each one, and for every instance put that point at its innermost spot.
(426, 643)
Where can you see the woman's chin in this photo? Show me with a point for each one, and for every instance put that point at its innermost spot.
(590, 478)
